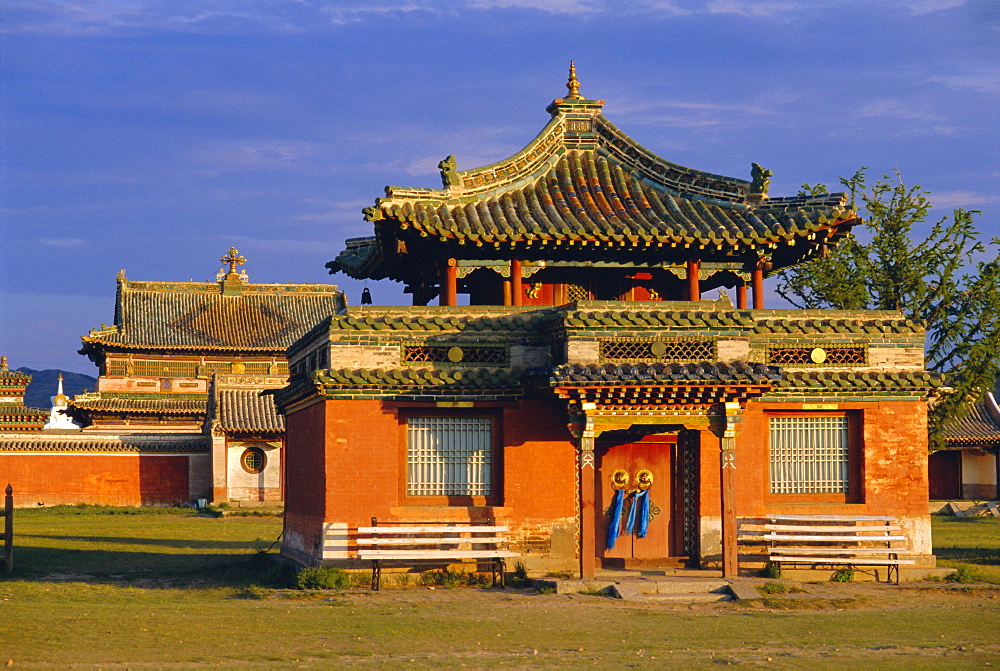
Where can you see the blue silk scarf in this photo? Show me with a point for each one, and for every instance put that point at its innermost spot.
(639, 512)
(615, 518)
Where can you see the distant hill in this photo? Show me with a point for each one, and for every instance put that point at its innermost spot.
(45, 382)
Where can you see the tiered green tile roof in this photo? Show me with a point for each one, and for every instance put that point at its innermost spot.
(583, 190)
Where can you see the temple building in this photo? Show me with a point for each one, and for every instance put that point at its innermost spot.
(969, 466)
(182, 409)
(590, 360)
(14, 415)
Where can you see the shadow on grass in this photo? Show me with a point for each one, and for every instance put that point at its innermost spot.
(151, 569)
(972, 555)
(164, 542)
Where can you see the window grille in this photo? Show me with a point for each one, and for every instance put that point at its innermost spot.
(809, 455)
(182, 369)
(803, 356)
(465, 354)
(576, 292)
(449, 456)
(657, 350)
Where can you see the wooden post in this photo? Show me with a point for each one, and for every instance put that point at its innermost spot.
(694, 283)
(449, 283)
(507, 300)
(758, 288)
(730, 565)
(8, 529)
(517, 292)
(588, 519)
(741, 295)
(727, 475)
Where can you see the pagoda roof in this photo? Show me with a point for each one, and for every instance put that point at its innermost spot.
(12, 380)
(583, 190)
(16, 417)
(225, 316)
(979, 427)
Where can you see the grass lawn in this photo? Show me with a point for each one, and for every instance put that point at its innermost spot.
(168, 588)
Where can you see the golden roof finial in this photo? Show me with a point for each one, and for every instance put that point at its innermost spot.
(3, 363)
(233, 258)
(573, 84)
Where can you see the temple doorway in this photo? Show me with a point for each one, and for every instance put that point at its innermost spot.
(638, 481)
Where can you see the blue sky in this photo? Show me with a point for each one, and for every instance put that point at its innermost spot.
(152, 136)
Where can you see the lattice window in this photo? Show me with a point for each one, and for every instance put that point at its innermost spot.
(577, 292)
(449, 456)
(625, 350)
(809, 455)
(455, 354)
(818, 356)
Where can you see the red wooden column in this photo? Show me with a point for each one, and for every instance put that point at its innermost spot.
(449, 284)
(582, 429)
(517, 293)
(694, 283)
(588, 519)
(758, 288)
(727, 471)
(741, 295)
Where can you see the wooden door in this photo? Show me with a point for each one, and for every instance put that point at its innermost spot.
(655, 455)
(944, 472)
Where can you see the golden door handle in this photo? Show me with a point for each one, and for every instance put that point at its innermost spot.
(644, 479)
(619, 479)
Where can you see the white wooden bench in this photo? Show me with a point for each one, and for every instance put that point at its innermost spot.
(433, 542)
(850, 541)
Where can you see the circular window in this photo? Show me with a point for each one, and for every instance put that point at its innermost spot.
(253, 460)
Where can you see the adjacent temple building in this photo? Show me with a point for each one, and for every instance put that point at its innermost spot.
(589, 360)
(181, 410)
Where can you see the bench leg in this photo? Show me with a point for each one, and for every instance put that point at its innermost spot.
(499, 568)
(376, 574)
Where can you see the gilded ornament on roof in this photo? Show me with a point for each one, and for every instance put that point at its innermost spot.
(573, 84)
(234, 259)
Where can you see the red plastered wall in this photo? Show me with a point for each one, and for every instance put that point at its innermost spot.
(98, 479)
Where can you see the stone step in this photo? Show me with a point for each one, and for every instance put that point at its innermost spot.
(711, 597)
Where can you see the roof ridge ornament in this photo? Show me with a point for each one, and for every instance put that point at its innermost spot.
(232, 282)
(573, 84)
(574, 103)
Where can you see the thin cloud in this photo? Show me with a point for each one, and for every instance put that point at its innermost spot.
(920, 7)
(748, 9)
(62, 243)
(335, 212)
(548, 6)
(342, 15)
(961, 199)
(240, 156)
(896, 109)
(984, 81)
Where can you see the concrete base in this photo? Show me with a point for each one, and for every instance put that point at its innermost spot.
(870, 574)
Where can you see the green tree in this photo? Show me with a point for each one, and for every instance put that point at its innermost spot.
(937, 281)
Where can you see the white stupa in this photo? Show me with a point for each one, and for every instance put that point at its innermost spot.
(58, 419)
